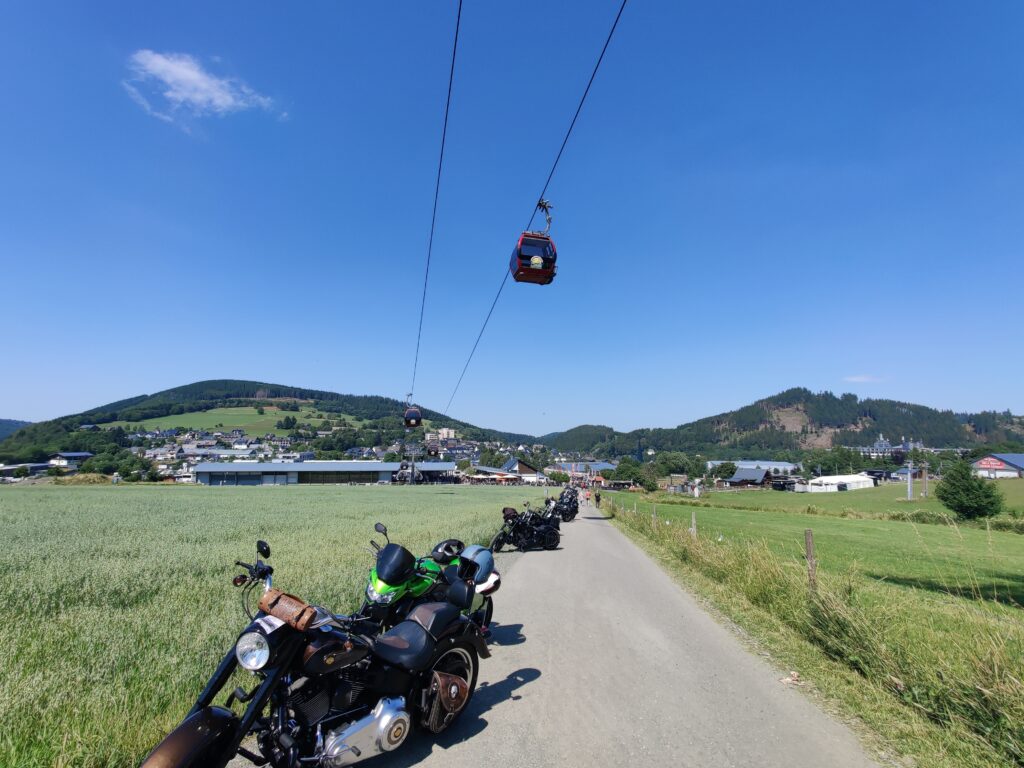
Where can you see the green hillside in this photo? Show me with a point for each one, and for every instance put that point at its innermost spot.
(797, 420)
(365, 420)
(10, 426)
(785, 425)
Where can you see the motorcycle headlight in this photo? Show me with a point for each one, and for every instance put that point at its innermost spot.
(252, 651)
(376, 597)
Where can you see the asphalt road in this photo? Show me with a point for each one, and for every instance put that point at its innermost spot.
(600, 659)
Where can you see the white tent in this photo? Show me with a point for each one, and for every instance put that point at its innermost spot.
(831, 483)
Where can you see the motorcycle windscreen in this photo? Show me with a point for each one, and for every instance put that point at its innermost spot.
(395, 564)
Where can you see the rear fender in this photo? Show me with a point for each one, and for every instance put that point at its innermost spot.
(465, 630)
(207, 737)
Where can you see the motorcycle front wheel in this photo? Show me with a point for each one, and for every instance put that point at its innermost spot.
(497, 542)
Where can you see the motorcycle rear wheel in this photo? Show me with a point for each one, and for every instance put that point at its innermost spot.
(459, 659)
(551, 539)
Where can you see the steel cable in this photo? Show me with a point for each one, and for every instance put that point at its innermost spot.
(543, 192)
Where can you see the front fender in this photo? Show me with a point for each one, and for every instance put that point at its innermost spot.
(206, 738)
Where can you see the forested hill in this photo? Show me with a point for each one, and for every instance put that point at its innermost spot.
(787, 423)
(799, 419)
(382, 416)
(10, 426)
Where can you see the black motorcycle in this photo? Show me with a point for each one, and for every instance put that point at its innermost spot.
(522, 531)
(568, 504)
(328, 693)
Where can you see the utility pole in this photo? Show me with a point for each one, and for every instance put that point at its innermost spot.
(925, 468)
(910, 479)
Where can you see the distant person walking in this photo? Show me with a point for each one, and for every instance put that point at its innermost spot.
(588, 496)
(597, 498)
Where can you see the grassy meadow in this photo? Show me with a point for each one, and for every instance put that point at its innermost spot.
(122, 602)
(242, 417)
(886, 499)
(948, 560)
(928, 616)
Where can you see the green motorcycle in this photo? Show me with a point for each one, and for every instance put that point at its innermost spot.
(400, 581)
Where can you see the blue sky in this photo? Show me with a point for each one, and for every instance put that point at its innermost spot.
(757, 196)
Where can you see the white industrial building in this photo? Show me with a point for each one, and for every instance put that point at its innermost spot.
(834, 483)
(317, 472)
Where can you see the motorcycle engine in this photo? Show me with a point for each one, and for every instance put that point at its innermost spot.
(313, 699)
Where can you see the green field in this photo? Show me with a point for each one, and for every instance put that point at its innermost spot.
(947, 560)
(887, 498)
(234, 418)
(926, 615)
(120, 602)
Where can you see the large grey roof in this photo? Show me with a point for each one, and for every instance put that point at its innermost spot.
(320, 466)
(1016, 459)
(579, 466)
(755, 464)
(749, 475)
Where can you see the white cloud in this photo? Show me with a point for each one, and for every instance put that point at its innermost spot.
(170, 86)
(862, 378)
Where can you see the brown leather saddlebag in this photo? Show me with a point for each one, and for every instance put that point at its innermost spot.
(288, 608)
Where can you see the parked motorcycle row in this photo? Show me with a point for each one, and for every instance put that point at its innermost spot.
(332, 690)
(536, 529)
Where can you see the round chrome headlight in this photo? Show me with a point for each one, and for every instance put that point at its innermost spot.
(252, 651)
(376, 597)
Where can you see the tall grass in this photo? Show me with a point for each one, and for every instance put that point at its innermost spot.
(119, 603)
(952, 661)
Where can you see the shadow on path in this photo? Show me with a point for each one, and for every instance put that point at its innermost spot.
(485, 698)
(506, 634)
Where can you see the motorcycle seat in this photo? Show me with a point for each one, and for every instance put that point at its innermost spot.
(406, 645)
(434, 617)
(411, 643)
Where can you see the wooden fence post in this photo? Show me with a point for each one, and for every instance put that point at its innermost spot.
(693, 523)
(812, 562)
(654, 515)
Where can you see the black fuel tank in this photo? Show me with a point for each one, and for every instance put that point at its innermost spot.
(333, 651)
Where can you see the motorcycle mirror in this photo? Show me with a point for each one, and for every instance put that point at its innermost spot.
(263, 548)
(382, 530)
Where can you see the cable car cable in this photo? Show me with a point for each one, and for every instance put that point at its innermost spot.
(437, 192)
(543, 192)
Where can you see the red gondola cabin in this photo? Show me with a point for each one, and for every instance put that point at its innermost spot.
(533, 259)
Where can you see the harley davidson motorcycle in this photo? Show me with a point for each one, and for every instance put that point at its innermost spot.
(325, 692)
(568, 504)
(523, 531)
(399, 581)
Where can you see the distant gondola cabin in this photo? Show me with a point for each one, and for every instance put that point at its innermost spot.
(533, 259)
(413, 418)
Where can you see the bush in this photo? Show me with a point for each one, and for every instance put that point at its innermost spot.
(968, 495)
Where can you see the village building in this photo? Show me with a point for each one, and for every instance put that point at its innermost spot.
(999, 465)
(316, 472)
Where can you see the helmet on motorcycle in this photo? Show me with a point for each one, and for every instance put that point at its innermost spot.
(509, 513)
(446, 551)
(476, 563)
